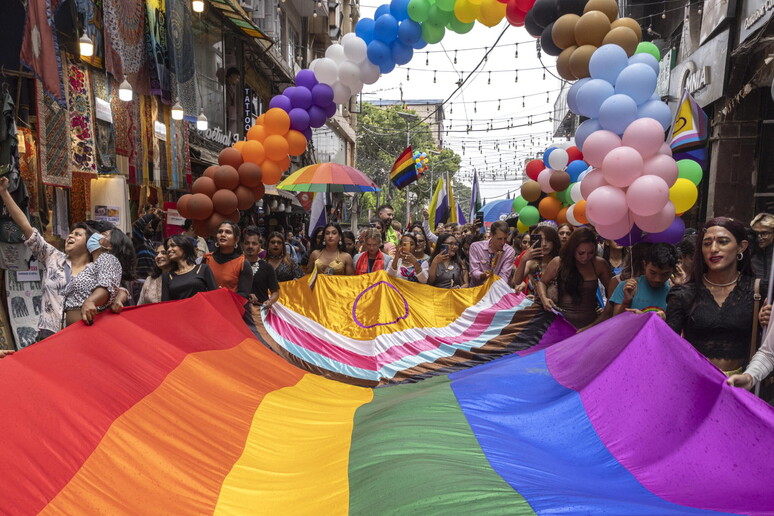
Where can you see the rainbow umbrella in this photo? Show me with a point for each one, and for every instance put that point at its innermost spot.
(328, 177)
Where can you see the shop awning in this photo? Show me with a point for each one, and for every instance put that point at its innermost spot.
(236, 15)
(272, 190)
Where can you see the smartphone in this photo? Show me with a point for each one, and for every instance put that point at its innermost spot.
(406, 247)
(445, 249)
(479, 221)
(536, 240)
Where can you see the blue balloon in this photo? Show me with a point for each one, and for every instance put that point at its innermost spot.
(656, 110)
(379, 53)
(546, 154)
(638, 81)
(401, 53)
(617, 112)
(572, 95)
(382, 9)
(399, 9)
(365, 29)
(409, 32)
(591, 96)
(386, 28)
(607, 62)
(419, 45)
(387, 67)
(576, 168)
(645, 59)
(584, 131)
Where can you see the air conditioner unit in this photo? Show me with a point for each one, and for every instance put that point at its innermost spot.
(248, 5)
(259, 9)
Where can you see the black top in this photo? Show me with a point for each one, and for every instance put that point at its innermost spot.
(245, 277)
(715, 331)
(264, 281)
(182, 286)
(761, 263)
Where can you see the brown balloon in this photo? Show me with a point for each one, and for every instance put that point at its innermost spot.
(212, 224)
(563, 64)
(210, 171)
(226, 177)
(245, 197)
(259, 192)
(200, 227)
(579, 61)
(631, 23)
(200, 206)
(563, 32)
(234, 217)
(624, 37)
(530, 190)
(204, 185)
(182, 206)
(609, 7)
(250, 175)
(225, 201)
(230, 156)
(559, 180)
(592, 28)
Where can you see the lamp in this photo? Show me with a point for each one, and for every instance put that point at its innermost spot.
(125, 91)
(86, 45)
(197, 6)
(281, 207)
(288, 208)
(201, 122)
(177, 111)
(273, 204)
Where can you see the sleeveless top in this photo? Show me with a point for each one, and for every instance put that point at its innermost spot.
(582, 313)
(226, 274)
(335, 267)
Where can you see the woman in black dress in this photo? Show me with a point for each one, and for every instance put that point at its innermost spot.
(186, 278)
(277, 255)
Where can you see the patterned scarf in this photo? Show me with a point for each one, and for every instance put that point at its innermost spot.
(361, 267)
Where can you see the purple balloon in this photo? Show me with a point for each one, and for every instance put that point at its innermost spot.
(317, 116)
(306, 79)
(300, 97)
(308, 134)
(322, 95)
(299, 119)
(671, 235)
(634, 237)
(330, 110)
(282, 102)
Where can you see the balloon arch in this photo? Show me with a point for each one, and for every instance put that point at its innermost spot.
(619, 176)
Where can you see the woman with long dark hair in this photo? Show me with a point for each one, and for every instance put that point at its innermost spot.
(151, 289)
(446, 269)
(186, 278)
(423, 250)
(350, 243)
(714, 309)
(577, 271)
(537, 257)
(332, 259)
(277, 256)
(405, 265)
(228, 264)
(564, 231)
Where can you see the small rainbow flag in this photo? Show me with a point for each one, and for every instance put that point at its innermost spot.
(404, 171)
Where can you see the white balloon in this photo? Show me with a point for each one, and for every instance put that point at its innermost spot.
(558, 159)
(313, 64)
(326, 71)
(341, 93)
(349, 74)
(571, 216)
(575, 192)
(369, 72)
(335, 52)
(355, 49)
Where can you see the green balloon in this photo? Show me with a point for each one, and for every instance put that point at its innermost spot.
(529, 216)
(690, 170)
(565, 196)
(431, 33)
(646, 47)
(418, 10)
(519, 203)
(446, 5)
(459, 27)
(438, 16)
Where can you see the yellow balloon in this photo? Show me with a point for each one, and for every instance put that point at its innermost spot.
(683, 195)
(465, 11)
(492, 12)
(521, 227)
(475, 2)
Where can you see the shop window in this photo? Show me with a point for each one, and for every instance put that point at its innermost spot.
(210, 71)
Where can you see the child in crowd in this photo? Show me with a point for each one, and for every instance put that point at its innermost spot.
(648, 292)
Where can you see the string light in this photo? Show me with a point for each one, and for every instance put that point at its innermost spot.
(427, 59)
(201, 122)
(125, 91)
(197, 6)
(177, 111)
(489, 80)
(455, 57)
(86, 46)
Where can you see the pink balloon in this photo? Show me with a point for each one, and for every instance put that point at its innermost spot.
(646, 135)
(544, 179)
(597, 145)
(662, 166)
(591, 182)
(617, 229)
(621, 166)
(606, 205)
(647, 195)
(665, 149)
(658, 222)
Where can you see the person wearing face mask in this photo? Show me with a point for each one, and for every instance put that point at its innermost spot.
(491, 257)
(151, 289)
(763, 226)
(228, 264)
(577, 272)
(251, 245)
(277, 256)
(59, 267)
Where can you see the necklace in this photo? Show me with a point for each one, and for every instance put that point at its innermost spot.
(180, 272)
(722, 284)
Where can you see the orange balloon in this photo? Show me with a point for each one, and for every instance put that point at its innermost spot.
(182, 206)
(277, 121)
(549, 207)
(200, 206)
(561, 217)
(272, 173)
(250, 175)
(239, 145)
(580, 212)
(225, 201)
(284, 163)
(259, 192)
(256, 133)
(210, 172)
(296, 142)
(276, 147)
(245, 197)
(204, 185)
(260, 120)
(254, 152)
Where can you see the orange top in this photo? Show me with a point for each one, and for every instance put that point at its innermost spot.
(226, 274)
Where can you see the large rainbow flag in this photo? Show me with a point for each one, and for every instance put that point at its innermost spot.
(177, 408)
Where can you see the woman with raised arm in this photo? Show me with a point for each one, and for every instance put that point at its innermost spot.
(447, 269)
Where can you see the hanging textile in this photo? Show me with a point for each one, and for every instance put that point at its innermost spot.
(137, 151)
(81, 118)
(91, 15)
(158, 49)
(181, 54)
(40, 47)
(61, 203)
(53, 137)
(125, 30)
(176, 158)
(103, 124)
(28, 167)
(79, 197)
(122, 123)
(9, 167)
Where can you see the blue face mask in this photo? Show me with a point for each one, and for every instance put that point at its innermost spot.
(92, 244)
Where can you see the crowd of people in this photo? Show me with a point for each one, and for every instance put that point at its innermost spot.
(708, 288)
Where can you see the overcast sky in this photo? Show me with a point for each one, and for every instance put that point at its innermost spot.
(486, 100)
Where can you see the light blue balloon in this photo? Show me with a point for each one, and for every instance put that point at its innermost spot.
(607, 62)
(386, 28)
(638, 81)
(382, 9)
(656, 110)
(584, 131)
(401, 53)
(572, 95)
(617, 112)
(409, 32)
(591, 96)
(645, 59)
(399, 9)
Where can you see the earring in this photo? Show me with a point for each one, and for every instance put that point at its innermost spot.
(740, 257)
(236, 246)
(217, 244)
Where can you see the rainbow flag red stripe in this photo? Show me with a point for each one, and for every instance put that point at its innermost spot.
(404, 171)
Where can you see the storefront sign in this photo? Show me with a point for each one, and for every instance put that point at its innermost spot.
(703, 72)
(160, 130)
(33, 274)
(664, 73)
(216, 134)
(714, 14)
(110, 214)
(103, 110)
(173, 224)
(754, 14)
(250, 108)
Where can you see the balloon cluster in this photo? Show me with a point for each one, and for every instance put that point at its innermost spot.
(345, 69)
(223, 190)
(308, 104)
(421, 160)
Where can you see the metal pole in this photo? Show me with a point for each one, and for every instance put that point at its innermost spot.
(408, 201)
